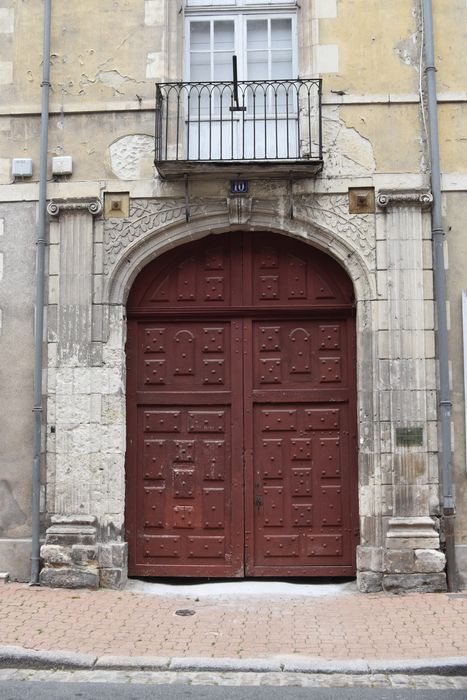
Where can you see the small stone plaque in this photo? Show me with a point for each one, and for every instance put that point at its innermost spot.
(409, 437)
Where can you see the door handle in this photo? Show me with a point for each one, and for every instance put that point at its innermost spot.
(258, 501)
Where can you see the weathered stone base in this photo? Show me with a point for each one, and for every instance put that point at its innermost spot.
(411, 560)
(414, 583)
(74, 559)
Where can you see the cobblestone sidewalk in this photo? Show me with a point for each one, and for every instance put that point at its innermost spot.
(338, 628)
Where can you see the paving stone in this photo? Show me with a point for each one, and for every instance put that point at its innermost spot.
(273, 633)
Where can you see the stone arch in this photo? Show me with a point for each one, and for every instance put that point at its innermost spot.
(353, 258)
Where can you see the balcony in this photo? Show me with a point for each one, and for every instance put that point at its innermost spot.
(248, 129)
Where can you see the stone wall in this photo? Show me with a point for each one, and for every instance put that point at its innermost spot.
(17, 263)
(388, 259)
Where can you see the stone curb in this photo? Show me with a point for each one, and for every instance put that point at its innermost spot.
(19, 657)
(32, 658)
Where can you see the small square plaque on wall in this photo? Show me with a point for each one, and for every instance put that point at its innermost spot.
(409, 436)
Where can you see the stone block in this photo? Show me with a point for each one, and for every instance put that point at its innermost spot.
(83, 555)
(113, 578)
(399, 561)
(369, 558)
(429, 561)
(417, 532)
(73, 519)
(369, 581)
(120, 555)
(69, 578)
(68, 536)
(416, 583)
(55, 554)
(413, 543)
(105, 556)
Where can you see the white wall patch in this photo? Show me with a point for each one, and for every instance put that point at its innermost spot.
(7, 20)
(6, 72)
(2, 227)
(153, 12)
(1, 266)
(327, 58)
(326, 9)
(154, 65)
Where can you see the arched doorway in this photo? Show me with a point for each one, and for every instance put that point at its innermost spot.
(241, 405)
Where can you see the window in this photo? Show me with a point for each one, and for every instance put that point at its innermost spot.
(261, 34)
(265, 46)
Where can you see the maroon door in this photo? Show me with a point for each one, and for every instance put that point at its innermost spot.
(241, 455)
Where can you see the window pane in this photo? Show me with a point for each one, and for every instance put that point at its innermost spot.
(281, 33)
(281, 65)
(209, 3)
(200, 67)
(199, 36)
(257, 65)
(224, 36)
(257, 34)
(292, 3)
(222, 66)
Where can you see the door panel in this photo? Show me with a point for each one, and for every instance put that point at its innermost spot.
(241, 453)
(186, 488)
(301, 457)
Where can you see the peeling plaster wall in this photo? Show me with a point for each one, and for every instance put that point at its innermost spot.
(393, 132)
(17, 259)
(450, 26)
(455, 207)
(371, 36)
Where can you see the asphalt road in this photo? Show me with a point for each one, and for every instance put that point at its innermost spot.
(24, 690)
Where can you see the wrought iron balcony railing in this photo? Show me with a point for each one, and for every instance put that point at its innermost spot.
(268, 128)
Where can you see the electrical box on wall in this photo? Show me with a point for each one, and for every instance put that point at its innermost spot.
(62, 165)
(21, 167)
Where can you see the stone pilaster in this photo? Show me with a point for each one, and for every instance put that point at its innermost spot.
(406, 386)
(85, 428)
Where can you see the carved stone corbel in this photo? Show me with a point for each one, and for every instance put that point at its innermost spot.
(57, 206)
(386, 198)
(239, 209)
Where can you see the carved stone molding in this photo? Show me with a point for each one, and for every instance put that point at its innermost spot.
(58, 206)
(328, 212)
(239, 209)
(146, 216)
(387, 198)
(332, 212)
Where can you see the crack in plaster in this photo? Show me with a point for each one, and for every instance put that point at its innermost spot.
(348, 152)
(110, 78)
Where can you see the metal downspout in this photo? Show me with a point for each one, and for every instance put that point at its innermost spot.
(39, 311)
(445, 403)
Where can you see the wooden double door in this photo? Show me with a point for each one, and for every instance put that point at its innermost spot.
(241, 449)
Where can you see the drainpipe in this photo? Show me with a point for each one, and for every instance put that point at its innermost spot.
(40, 283)
(445, 403)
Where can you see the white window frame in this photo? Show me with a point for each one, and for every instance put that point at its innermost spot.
(240, 36)
(196, 5)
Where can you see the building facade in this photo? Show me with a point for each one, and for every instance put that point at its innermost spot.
(240, 369)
